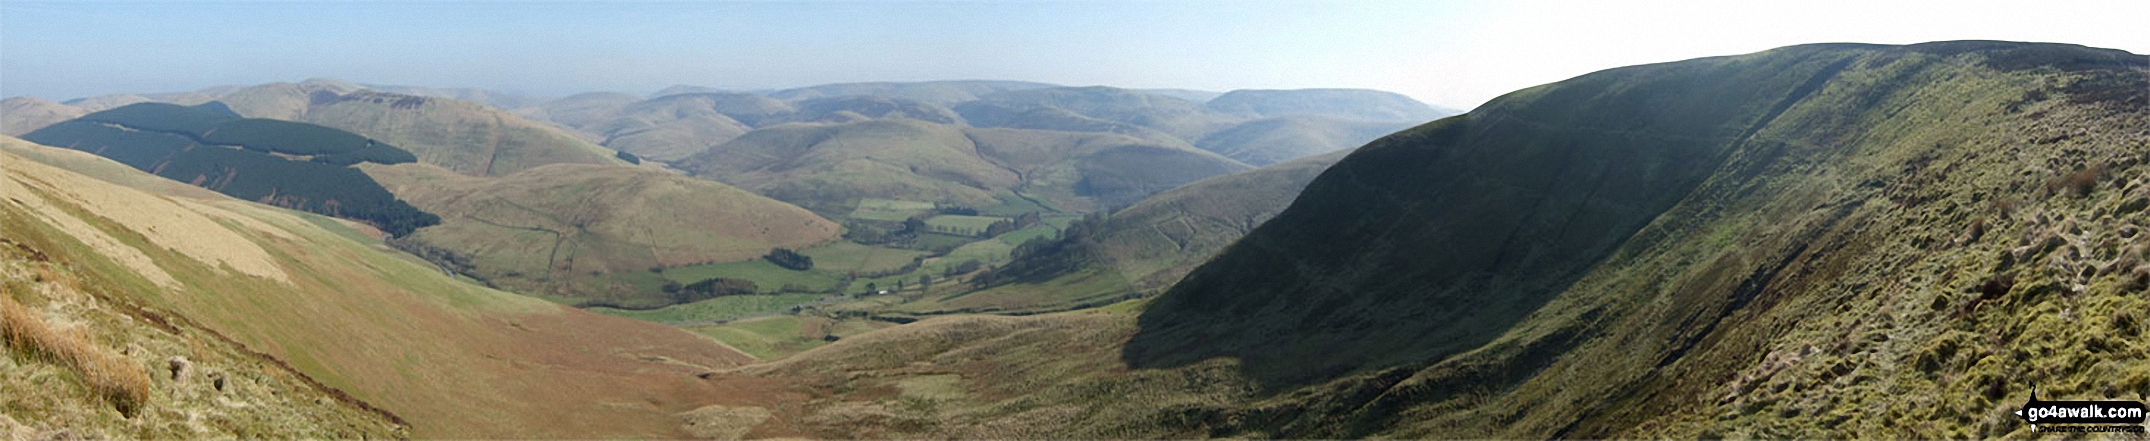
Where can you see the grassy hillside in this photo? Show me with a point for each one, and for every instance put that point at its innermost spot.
(450, 358)
(285, 101)
(1273, 140)
(22, 114)
(82, 362)
(572, 230)
(1755, 245)
(466, 137)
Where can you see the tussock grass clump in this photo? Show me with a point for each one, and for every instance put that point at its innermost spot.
(123, 384)
(2080, 183)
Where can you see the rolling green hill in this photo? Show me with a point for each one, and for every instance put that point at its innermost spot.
(22, 114)
(588, 234)
(288, 164)
(311, 323)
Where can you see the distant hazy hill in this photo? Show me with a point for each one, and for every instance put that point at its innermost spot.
(1181, 118)
(582, 113)
(1360, 104)
(296, 165)
(930, 92)
(675, 126)
(308, 323)
(1264, 127)
(826, 166)
(1269, 141)
(22, 114)
(555, 230)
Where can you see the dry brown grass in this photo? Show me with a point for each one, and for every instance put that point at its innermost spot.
(112, 378)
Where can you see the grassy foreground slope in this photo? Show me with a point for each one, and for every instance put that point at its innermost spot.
(558, 230)
(451, 358)
(83, 361)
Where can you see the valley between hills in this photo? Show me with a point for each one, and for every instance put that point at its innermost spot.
(1814, 241)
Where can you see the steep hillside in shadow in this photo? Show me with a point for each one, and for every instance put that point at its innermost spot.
(1661, 250)
(1140, 249)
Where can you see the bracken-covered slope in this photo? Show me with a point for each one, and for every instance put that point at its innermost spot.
(1813, 241)
(556, 230)
(450, 358)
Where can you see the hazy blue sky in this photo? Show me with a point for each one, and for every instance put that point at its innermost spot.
(1448, 53)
